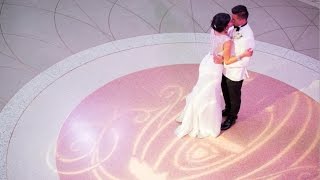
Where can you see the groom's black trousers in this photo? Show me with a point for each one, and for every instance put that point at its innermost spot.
(232, 96)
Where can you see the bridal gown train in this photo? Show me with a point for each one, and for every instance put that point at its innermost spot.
(201, 116)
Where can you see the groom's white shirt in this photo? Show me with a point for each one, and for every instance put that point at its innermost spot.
(242, 40)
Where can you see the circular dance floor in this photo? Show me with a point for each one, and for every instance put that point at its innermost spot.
(109, 113)
(90, 90)
(125, 129)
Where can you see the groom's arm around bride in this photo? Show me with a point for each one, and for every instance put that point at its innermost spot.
(235, 72)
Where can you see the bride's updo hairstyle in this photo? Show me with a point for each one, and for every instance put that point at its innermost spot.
(220, 21)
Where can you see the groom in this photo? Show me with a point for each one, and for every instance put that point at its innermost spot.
(235, 73)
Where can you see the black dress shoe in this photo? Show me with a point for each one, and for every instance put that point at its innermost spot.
(225, 113)
(228, 123)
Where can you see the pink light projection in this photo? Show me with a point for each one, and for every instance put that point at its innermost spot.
(125, 130)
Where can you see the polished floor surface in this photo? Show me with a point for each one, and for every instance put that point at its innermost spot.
(91, 90)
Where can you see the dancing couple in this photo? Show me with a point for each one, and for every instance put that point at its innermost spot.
(223, 69)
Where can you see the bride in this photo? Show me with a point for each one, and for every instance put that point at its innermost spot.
(201, 116)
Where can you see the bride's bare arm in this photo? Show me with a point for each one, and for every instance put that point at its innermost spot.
(228, 59)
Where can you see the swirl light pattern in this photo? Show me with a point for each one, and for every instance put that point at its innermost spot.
(125, 129)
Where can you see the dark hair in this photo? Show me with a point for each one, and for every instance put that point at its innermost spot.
(220, 21)
(241, 11)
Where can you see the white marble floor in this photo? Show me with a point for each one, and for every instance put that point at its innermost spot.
(56, 53)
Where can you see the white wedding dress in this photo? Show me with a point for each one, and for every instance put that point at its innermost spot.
(201, 116)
